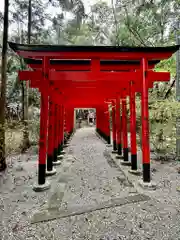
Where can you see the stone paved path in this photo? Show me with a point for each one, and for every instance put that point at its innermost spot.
(93, 181)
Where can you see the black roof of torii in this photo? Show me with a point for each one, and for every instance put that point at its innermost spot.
(75, 48)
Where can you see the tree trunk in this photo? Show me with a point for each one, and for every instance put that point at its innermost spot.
(26, 142)
(29, 21)
(25, 104)
(3, 88)
(178, 91)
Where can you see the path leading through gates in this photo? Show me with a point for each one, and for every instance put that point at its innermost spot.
(100, 203)
(95, 181)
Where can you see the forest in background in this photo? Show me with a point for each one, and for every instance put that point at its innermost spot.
(120, 23)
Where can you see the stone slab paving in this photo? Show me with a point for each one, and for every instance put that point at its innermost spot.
(94, 180)
(91, 180)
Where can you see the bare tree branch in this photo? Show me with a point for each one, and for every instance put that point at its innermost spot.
(115, 23)
(170, 88)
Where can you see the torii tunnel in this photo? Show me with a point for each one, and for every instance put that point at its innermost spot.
(71, 77)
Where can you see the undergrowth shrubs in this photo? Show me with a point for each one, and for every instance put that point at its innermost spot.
(14, 135)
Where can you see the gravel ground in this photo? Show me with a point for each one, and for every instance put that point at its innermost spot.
(94, 181)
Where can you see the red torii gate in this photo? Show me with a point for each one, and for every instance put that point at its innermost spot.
(50, 82)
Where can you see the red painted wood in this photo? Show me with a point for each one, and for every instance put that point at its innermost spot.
(68, 118)
(145, 115)
(104, 124)
(62, 123)
(91, 76)
(56, 126)
(124, 123)
(71, 89)
(118, 121)
(43, 119)
(51, 128)
(107, 76)
(133, 120)
(109, 67)
(107, 120)
(114, 120)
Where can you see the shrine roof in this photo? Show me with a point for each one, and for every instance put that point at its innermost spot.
(68, 48)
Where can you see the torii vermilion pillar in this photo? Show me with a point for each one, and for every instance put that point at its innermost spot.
(133, 128)
(145, 123)
(43, 130)
(114, 126)
(118, 127)
(50, 152)
(103, 127)
(124, 129)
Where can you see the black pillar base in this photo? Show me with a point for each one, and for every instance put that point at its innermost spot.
(108, 140)
(49, 162)
(41, 174)
(114, 146)
(66, 138)
(146, 172)
(134, 161)
(125, 154)
(119, 149)
(102, 134)
(105, 137)
(55, 155)
(60, 148)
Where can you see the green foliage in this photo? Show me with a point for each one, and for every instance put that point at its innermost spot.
(162, 119)
(163, 126)
(168, 65)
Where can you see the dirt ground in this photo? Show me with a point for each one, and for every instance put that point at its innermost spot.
(93, 181)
